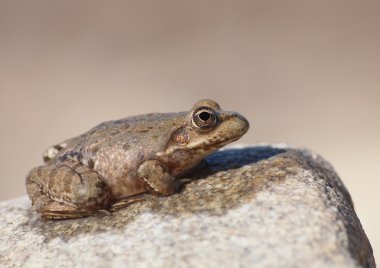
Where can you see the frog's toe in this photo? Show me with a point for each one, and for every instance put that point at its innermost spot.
(56, 211)
(182, 182)
(127, 201)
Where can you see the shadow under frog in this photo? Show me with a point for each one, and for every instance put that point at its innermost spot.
(231, 184)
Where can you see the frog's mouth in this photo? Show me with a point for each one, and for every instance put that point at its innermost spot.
(211, 147)
(215, 142)
(231, 128)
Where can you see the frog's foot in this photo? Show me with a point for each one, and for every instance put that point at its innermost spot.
(59, 211)
(183, 181)
(67, 190)
(127, 201)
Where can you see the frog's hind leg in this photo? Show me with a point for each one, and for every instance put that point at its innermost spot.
(57, 211)
(67, 190)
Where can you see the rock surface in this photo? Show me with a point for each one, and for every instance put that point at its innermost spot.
(256, 206)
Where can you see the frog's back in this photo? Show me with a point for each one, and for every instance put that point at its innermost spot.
(149, 132)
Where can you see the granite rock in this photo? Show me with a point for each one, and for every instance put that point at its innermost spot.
(259, 206)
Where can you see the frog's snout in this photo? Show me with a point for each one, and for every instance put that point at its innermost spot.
(238, 122)
(242, 123)
(233, 125)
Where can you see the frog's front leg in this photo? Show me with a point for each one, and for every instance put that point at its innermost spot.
(67, 190)
(157, 178)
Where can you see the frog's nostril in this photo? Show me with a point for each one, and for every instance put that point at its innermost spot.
(246, 122)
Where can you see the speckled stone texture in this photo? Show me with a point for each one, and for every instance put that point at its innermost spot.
(259, 206)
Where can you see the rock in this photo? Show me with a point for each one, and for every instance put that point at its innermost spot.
(256, 206)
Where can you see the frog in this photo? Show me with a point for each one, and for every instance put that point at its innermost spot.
(118, 162)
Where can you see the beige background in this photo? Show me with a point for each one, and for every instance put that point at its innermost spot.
(303, 72)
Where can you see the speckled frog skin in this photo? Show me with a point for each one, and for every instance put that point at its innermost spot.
(113, 164)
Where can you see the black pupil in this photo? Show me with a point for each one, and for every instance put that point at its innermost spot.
(204, 116)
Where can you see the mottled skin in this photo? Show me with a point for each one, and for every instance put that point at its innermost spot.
(109, 166)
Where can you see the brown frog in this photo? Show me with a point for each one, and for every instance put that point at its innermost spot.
(111, 165)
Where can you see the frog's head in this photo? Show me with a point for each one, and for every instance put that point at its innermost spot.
(206, 129)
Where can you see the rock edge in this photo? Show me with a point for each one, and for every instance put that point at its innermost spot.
(263, 205)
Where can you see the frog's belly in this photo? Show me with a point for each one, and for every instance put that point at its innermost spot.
(123, 184)
(118, 170)
(126, 186)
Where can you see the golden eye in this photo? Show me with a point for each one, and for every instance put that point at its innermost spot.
(204, 119)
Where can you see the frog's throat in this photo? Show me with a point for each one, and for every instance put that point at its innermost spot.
(204, 147)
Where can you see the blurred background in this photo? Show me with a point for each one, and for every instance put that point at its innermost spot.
(302, 72)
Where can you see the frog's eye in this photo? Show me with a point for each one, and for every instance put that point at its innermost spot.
(204, 119)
